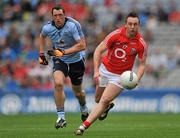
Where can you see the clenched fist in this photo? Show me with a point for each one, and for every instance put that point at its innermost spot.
(56, 52)
(42, 59)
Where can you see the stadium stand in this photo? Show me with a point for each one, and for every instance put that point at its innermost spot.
(21, 21)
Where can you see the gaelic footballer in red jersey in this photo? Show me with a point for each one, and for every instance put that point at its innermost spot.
(121, 47)
(123, 50)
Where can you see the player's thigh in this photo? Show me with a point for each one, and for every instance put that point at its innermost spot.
(59, 65)
(76, 72)
(58, 77)
(60, 70)
(111, 92)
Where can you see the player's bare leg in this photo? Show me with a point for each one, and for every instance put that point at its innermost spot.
(59, 97)
(80, 95)
(109, 94)
(99, 92)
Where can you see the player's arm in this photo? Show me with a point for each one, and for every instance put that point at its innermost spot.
(142, 55)
(101, 48)
(41, 43)
(79, 46)
(141, 68)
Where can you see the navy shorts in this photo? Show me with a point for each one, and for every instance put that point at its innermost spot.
(75, 71)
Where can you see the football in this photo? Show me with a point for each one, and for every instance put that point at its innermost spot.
(129, 80)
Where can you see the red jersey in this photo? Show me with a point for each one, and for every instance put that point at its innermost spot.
(122, 51)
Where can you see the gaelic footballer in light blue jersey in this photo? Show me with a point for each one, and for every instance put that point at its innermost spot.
(68, 46)
(65, 37)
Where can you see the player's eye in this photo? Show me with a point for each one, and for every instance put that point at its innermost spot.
(135, 24)
(58, 15)
(130, 24)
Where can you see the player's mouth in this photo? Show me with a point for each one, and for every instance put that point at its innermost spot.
(132, 31)
(59, 22)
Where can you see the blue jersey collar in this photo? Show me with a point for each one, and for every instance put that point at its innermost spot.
(53, 24)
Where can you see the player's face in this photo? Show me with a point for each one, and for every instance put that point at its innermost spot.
(132, 26)
(58, 17)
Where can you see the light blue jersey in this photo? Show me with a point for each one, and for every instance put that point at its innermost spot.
(65, 37)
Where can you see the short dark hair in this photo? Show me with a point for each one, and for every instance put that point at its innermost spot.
(134, 15)
(58, 7)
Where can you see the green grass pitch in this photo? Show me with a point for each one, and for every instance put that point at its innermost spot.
(116, 125)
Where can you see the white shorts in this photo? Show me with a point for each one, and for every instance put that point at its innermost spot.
(108, 77)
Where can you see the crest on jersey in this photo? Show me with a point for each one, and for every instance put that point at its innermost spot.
(133, 51)
(61, 41)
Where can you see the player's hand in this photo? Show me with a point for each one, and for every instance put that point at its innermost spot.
(50, 52)
(42, 59)
(56, 52)
(59, 52)
(96, 77)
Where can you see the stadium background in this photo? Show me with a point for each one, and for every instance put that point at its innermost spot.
(26, 86)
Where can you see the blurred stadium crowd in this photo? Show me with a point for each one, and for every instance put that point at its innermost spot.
(21, 22)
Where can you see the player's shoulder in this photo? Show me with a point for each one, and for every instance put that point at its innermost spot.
(70, 19)
(47, 25)
(118, 31)
(142, 41)
(72, 22)
(115, 34)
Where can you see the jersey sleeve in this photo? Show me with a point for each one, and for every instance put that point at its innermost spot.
(111, 38)
(77, 32)
(143, 49)
(79, 28)
(44, 31)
